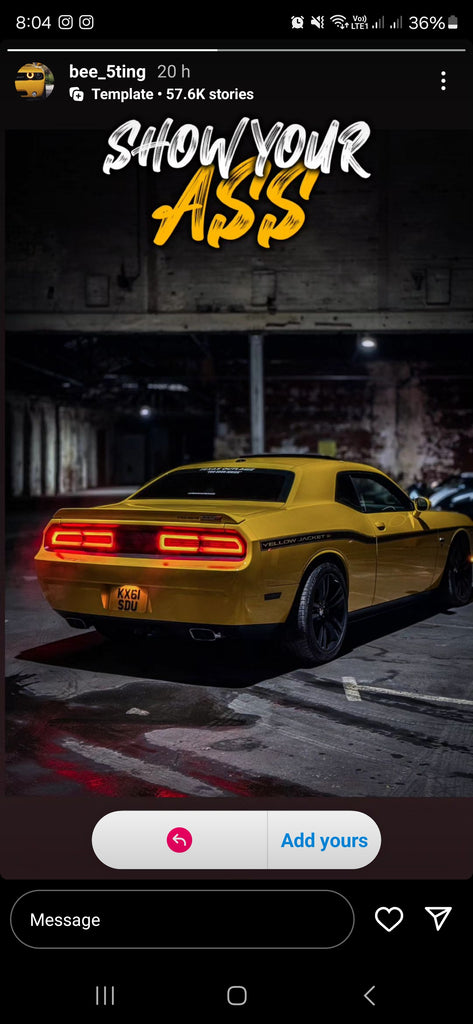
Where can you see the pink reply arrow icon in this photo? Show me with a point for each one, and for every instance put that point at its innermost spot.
(179, 840)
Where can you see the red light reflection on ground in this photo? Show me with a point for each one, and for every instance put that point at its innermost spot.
(103, 785)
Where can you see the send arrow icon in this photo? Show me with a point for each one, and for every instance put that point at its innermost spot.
(439, 915)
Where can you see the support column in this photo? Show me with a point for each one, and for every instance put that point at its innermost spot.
(256, 393)
(17, 448)
(92, 466)
(49, 448)
(35, 450)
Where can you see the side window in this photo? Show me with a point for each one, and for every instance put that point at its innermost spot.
(375, 494)
(345, 492)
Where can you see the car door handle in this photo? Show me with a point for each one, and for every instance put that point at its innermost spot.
(380, 525)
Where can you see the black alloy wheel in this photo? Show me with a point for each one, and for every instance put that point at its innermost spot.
(457, 578)
(319, 619)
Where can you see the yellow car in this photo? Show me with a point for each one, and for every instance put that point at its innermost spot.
(289, 542)
(30, 81)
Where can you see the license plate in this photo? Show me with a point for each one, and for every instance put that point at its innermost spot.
(128, 599)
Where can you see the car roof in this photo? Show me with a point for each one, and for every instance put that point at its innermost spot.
(314, 475)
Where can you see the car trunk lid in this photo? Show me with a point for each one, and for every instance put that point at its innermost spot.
(165, 511)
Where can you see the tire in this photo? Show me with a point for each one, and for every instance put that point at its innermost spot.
(318, 621)
(455, 588)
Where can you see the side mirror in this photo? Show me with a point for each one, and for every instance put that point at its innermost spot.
(421, 504)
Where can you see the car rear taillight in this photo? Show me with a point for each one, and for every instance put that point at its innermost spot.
(221, 543)
(127, 540)
(80, 538)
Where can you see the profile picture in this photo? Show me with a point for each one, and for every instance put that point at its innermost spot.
(34, 81)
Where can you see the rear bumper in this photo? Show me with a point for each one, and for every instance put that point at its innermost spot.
(157, 629)
(177, 592)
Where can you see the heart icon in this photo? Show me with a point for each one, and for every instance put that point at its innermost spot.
(389, 917)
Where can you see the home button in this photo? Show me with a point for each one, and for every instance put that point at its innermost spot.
(237, 995)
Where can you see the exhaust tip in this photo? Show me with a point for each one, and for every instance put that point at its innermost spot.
(77, 623)
(204, 634)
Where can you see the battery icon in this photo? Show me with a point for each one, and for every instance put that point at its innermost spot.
(452, 21)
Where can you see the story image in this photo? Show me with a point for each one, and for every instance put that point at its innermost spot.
(239, 466)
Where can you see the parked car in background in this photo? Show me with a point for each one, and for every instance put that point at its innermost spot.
(449, 487)
(461, 501)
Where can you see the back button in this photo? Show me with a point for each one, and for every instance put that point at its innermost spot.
(369, 995)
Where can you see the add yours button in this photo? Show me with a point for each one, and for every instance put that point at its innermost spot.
(322, 839)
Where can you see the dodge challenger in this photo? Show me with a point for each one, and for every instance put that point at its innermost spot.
(293, 543)
(30, 81)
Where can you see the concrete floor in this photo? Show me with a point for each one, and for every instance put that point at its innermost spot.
(390, 717)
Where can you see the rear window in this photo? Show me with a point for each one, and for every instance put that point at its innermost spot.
(221, 483)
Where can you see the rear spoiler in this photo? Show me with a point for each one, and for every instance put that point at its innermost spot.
(110, 513)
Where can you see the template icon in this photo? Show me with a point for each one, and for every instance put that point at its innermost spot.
(439, 915)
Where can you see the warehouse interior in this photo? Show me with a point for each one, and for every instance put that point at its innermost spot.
(124, 358)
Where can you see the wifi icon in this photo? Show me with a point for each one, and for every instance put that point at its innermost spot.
(339, 20)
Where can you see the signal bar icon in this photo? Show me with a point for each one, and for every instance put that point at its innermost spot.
(397, 23)
(379, 23)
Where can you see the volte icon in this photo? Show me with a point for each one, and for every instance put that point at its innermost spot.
(439, 915)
